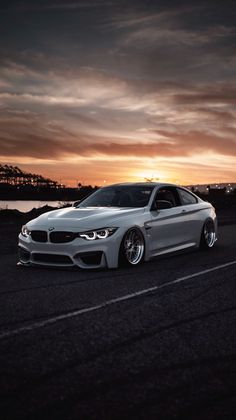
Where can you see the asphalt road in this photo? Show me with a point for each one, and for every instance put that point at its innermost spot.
(153, 342)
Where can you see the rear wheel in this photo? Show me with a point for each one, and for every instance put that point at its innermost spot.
(132, 247)
(208, 237)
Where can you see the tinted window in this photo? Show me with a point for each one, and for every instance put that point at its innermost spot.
(119, 196)
(167, 194)
(186, 197)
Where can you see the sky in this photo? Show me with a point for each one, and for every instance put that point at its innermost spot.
(104, 91)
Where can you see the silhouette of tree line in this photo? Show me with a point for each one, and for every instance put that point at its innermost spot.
(12, 175)
(16, 184)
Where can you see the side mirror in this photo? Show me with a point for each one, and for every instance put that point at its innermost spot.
(76, 203)
(163, 204)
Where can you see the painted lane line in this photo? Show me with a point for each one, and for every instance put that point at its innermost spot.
(200, 273)
(52, 320)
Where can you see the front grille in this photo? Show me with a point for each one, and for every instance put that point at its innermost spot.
(39, 235)
(52, 258)
(62, 237)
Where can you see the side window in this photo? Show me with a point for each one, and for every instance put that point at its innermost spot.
(186, 197)
(166, 195)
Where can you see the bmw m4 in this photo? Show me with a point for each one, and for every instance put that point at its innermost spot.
(119, 224)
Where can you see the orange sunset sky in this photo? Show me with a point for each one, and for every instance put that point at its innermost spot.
(111, 91)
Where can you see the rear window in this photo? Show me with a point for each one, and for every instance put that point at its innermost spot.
(186, 197)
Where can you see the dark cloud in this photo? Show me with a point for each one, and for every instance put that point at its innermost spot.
(224, 94)
(28, 137)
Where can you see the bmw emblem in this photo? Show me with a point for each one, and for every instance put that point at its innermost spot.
(51, 228)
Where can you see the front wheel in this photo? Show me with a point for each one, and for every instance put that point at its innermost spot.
(208, 237)
(132, 247)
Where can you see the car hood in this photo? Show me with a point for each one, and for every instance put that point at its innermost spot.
(83, 218)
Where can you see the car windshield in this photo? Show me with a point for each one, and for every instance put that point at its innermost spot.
(119, 196)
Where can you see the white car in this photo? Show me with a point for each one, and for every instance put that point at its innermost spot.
(123, 223)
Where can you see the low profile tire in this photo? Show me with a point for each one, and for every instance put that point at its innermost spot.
(208, 237)
(132, 248)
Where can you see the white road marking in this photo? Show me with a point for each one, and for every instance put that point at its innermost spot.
(52, 320)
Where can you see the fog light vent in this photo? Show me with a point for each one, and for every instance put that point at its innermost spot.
(24, 255)
(91, 258)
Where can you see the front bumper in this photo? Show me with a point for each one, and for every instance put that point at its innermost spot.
(83, 254)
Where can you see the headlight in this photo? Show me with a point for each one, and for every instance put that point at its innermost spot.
(25, 231)
(103, 233)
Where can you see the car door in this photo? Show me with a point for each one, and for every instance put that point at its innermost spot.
(168, 227)
(192, 209)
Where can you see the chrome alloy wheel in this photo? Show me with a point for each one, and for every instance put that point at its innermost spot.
(209, 234)
(133, 246)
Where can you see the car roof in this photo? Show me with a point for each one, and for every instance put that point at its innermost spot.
(149, 184)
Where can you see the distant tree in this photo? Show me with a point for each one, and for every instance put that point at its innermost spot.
(152, 179)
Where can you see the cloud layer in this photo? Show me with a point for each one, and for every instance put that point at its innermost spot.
(103, 81)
